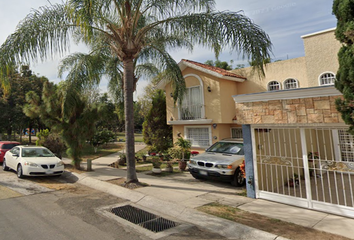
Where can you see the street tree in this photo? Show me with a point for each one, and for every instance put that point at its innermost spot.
(220, 64)
(156, 132)
(145, 99)
(344, 11)
(68, 113)
(12, 101)
(129, 27)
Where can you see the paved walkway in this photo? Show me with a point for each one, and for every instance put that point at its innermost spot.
(178, 195)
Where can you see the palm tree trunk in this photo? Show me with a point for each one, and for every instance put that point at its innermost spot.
(129, 119)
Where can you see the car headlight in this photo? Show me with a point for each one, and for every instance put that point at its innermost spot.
(192, 162)
(60, 163)
(31, 164)
(223, 166)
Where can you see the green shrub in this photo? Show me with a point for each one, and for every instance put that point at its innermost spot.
(52, 141)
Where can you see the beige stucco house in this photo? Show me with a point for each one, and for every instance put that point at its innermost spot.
(208, 112)
(297, 148)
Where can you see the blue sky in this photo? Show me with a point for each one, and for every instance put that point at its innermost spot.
(285, 21)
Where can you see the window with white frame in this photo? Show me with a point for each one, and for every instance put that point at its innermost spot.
(346, 144)
(199, 137)
(290, 83)
(274, 85)
(236, 133)
(192, 104)
(327, 79)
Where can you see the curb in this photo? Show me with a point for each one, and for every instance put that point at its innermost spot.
(226, 228)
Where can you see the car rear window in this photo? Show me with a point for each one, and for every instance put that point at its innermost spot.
(8, 146)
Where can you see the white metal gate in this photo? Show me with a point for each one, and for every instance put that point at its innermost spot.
(311, 167)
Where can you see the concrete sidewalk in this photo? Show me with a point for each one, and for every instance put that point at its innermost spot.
(178, 195)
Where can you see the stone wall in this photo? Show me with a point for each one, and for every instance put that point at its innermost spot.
(304, 110)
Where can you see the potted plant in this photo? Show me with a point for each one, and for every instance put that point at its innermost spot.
(169, 166)
(185, 147)
(141, 156)
(169, 163)
(156, 165)
(122, 160)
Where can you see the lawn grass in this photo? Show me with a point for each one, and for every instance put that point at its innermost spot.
(103, 150)
(272, 225)
(138, 137)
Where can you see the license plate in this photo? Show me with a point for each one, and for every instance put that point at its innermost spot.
(49, 172)
(201, 172)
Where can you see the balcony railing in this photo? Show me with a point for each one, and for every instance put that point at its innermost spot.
(191, 112)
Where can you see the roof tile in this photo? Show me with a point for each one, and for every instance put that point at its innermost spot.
(215, 69)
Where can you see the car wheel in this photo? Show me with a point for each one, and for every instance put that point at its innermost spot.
(4, 167)
(238, 180)
(19, 171)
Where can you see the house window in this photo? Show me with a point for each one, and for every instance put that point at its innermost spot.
(236, 133)
(327, 79)
(192, 104)
(346, 144)
(290, 83)
(274, 85)
(199, 137)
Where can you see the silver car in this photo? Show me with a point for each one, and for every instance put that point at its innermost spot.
(220, 162)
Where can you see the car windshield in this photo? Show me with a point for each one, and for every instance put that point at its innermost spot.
(37, 152)
(8, 146)
(227, 147)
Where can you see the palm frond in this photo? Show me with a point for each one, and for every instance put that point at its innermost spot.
(83, 68)
(220, 30)
(167, 8)
(43, 33)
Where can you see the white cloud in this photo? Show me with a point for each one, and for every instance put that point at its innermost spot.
(284, 20)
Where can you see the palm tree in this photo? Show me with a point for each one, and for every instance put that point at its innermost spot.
(129, 27)
(185, 146)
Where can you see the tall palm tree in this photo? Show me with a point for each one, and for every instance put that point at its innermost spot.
(128, 27)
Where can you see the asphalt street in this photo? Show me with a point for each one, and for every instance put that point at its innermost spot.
(29, 210)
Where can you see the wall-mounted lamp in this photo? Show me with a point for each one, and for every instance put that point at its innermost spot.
(171, 94)
(171, 119)
(179, 134)
(209, 89)
(214, 125)
(215, 137)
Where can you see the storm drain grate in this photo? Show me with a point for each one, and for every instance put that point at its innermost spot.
(143, 218)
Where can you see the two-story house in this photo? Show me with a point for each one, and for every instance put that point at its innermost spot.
(207, 113)
(297, 148)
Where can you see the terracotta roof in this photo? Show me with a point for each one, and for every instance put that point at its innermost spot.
(215, 69)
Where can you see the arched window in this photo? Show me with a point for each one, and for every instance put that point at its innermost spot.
(290, 83)
(274, 85)
(327, 78)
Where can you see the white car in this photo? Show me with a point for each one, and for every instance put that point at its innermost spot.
(222, 161)
(32, 161)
